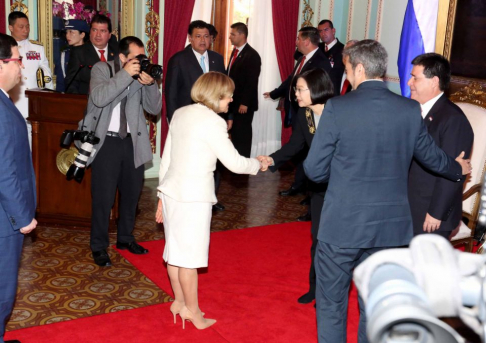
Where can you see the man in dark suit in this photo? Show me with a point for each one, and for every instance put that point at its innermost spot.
(17, 180)
(244, 69)
(435, 201)
(364, 151)
(333, 49)
(186, 66)
(100, 48)
(184, 69)
(345, 86)
(307, 43)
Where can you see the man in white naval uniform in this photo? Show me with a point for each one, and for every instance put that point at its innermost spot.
(33, 58)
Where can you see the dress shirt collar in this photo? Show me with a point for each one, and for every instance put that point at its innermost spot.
(198, 55)
(6, 94)
(310, 54)
(240, 48)
(429, 104)
(330, 45)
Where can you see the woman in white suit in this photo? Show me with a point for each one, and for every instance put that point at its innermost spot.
(197, 138)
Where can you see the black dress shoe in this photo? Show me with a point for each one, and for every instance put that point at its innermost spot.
(101, 258)
(291, 192)
(306, 201)
(306, 298)
(305, 218)
(218, 207)
(133, 247)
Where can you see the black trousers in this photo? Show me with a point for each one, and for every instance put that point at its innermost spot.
(241, 132)
(317, 202)
(112, 169)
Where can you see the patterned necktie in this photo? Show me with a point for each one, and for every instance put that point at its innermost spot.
(300, 66)
(203, 65)
(235, 54)
(102, 55)
(123, 130)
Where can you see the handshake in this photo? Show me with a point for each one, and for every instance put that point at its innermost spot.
(265, 162)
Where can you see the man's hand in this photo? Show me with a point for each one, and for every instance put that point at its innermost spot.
(431, 224)
(230, 124)
(265, 162)
(465, 164)
(243, 109)
(145, 79)
(266, 95)
(26, 229)
(159, 217)
(132, 67)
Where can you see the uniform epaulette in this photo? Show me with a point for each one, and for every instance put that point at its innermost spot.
(36, 42)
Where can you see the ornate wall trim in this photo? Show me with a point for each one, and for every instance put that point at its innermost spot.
(331, 10)
(307, 14)
(445, 27)
(394, 79)
(350, 19)
(44, 29)
(368, 19)
(473, 93)
(128, 18)
(378, 20)
(319, 13)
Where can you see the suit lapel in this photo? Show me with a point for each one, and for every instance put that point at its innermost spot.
(8, 102)
(434, 111)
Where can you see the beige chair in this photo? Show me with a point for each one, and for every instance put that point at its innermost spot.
(472, 100)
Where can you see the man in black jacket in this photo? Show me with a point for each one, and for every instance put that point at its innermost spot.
(307, 43)
(435, 201)
(102, 47)
(244, 69)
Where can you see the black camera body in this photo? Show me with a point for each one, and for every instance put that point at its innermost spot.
(76, 170)
(154, 70)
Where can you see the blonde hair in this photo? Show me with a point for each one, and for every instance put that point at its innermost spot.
(210, 88)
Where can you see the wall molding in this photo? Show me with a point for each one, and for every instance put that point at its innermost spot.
(331, 10)
(390, 78)
(378, 20)
(350, 19)
(368, 18)
(319, 13)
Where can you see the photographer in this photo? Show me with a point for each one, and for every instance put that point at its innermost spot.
(117, 100)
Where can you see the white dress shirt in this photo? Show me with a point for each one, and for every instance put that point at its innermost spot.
(428, 105)
(206, 58)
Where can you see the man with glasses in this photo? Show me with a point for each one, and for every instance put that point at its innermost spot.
(35, 71)
(17, 179)
(83, 58)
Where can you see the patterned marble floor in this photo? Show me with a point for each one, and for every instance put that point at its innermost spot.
(58, 280)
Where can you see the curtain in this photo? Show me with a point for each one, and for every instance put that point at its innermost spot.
(177, 16)
(267, 122)
(285, 19)
(3, 17)
(202, 11)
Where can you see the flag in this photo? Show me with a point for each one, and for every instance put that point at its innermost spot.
(418, 36)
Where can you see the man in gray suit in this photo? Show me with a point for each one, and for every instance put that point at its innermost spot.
(117, 100)
(363, 147)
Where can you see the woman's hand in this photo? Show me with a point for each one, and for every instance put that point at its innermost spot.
(159, 217)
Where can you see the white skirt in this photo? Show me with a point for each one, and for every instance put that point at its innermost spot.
(186, 227)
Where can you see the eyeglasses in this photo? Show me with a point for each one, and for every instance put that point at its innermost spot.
(18, 60)
(300, 90)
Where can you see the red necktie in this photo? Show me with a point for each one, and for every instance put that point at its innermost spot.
(345, 87)
(235, 54)
(327, 48)
(102, 55)
(300, 66)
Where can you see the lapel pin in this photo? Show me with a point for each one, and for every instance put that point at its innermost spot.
(430, 118)
(111, 54)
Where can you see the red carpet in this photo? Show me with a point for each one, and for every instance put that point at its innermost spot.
(254, 278)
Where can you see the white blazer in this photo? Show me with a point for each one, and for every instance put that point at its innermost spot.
(197, 138)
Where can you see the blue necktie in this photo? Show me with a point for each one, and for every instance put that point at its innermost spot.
(203, 66)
